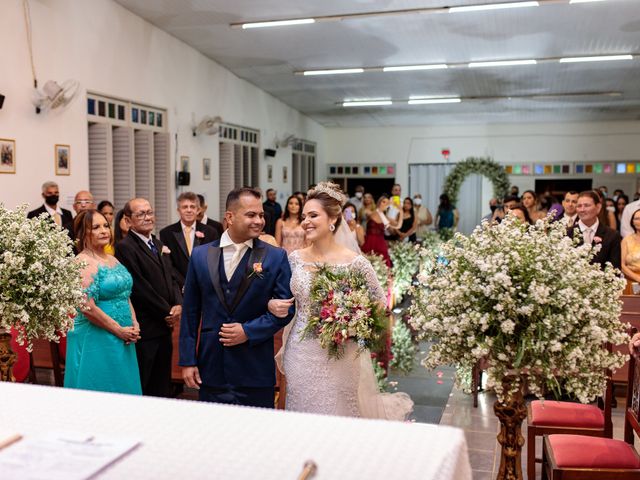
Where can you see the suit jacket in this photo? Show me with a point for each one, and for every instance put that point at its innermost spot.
(610, 244)
(205, 309)
(217, 226)
(173, 238)
(155, 290)
(67, 218)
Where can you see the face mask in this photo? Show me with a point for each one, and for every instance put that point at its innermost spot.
(51, 200)
(358, 195)
(417, 201)
(611, 209)
(615, 198)
(493, 208)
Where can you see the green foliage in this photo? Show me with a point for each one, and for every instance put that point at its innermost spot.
(482, 166)
(403, 348)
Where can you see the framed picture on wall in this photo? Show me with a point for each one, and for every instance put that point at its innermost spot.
(284, 174)
(62, 154)
(206, 169)
(7, 155)
(269, 173)
(184, 163)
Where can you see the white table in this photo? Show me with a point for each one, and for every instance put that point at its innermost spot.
(191, 440)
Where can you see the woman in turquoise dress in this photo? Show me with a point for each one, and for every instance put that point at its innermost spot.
(101, 351)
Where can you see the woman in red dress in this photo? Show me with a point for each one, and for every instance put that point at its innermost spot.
(374, 241)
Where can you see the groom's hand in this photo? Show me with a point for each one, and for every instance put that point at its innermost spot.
(232, 334)
(191, 377)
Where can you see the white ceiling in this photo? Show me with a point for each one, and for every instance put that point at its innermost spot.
(269, 57)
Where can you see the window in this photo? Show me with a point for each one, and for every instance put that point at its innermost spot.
(303, 165)
(129, 153)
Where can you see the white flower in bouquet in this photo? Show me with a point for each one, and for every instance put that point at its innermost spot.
(40, 284)
(527, 300)
(405, 260)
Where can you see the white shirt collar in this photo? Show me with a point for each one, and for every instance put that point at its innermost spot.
(145, 239)
(204, 219)
(52, 211)
(193, 226)
(593, 227)
(225, 241)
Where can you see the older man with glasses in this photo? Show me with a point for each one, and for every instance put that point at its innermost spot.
(83, 201)
(155, 296)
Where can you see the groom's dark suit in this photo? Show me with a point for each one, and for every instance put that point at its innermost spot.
(242, 374)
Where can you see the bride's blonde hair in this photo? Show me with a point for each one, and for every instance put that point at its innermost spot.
(331, 197)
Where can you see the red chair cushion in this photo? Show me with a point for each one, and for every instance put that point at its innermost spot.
(582, 451)
(566, 414)
(23, 364)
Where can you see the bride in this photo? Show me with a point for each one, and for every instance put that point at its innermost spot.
(315, 383)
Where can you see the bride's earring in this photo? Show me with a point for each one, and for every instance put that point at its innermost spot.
(332, 227)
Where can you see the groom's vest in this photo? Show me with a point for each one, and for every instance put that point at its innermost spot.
(230, 287)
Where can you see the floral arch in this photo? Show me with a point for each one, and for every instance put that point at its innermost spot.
(482, 166)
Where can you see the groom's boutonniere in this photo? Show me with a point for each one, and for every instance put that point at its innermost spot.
(597, 240)
(199, 234)
(165, 250)
(257, 270)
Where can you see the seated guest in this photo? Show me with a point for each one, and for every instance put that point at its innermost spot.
(101, 354)
(202, 217)
(120, 227)
(569, 204)
(60, 216)
(595, 232)
(185, 235)
(105, 207)
(289, 232)
(630, 250)
(409, 225)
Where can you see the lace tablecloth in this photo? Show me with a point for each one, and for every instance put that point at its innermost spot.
(193, 440)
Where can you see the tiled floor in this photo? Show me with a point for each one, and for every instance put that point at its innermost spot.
(481, 427)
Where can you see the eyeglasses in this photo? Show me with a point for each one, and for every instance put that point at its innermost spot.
(84, 202)
(141, 215)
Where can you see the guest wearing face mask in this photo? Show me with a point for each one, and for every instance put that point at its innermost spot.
(493, 205)
(59, 215)
(423, 215)
(356, 200)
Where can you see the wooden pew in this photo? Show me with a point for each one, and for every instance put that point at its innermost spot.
(630, 314)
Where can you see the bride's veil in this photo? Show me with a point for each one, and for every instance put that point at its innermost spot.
(345, 237)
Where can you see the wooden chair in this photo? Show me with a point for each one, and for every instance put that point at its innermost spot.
(572, 457)
(571, 418)
(49, 355)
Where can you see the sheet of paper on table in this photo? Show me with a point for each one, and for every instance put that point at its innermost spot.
(62, 456)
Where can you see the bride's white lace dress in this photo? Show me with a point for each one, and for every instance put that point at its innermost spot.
(317, 384)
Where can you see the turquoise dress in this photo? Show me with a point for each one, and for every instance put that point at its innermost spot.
(97, 359)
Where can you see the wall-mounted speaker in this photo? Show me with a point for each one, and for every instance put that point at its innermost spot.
(1, 100)
(184, 178)
(269, 152)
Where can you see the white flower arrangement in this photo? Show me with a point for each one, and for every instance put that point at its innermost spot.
(40, 283)
(405, 259)
(381, 269)
(526, 299)
(403, 350)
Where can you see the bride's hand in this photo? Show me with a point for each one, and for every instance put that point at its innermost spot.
(280, 307)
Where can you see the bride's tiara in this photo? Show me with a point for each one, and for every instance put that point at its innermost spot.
(332, 192)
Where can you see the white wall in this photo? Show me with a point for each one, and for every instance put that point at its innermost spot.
(113, 52)
(516, 143)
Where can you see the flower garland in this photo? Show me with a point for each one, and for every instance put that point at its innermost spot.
(527, 299)
(403, 350)
(482, 166)
(405, 260)
(40, 281)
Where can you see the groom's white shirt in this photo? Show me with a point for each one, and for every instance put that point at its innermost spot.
(231, 259)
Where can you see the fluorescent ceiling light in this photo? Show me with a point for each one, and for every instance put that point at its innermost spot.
(585, 1)
(339, 71)
(492, 6)
(502, 63)
(407, 68)
(278, 23)
(367, 103)
(602, 58)
(432, 100)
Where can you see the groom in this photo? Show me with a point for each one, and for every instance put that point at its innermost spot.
(226, 331)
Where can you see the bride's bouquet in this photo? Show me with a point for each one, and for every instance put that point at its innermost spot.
(343, 310)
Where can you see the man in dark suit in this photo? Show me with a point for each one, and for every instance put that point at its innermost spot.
(60, 216)
(186, 234)
(155, 296)
(226, 330)
(595, 233)
(272, 211)
(203, 218)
